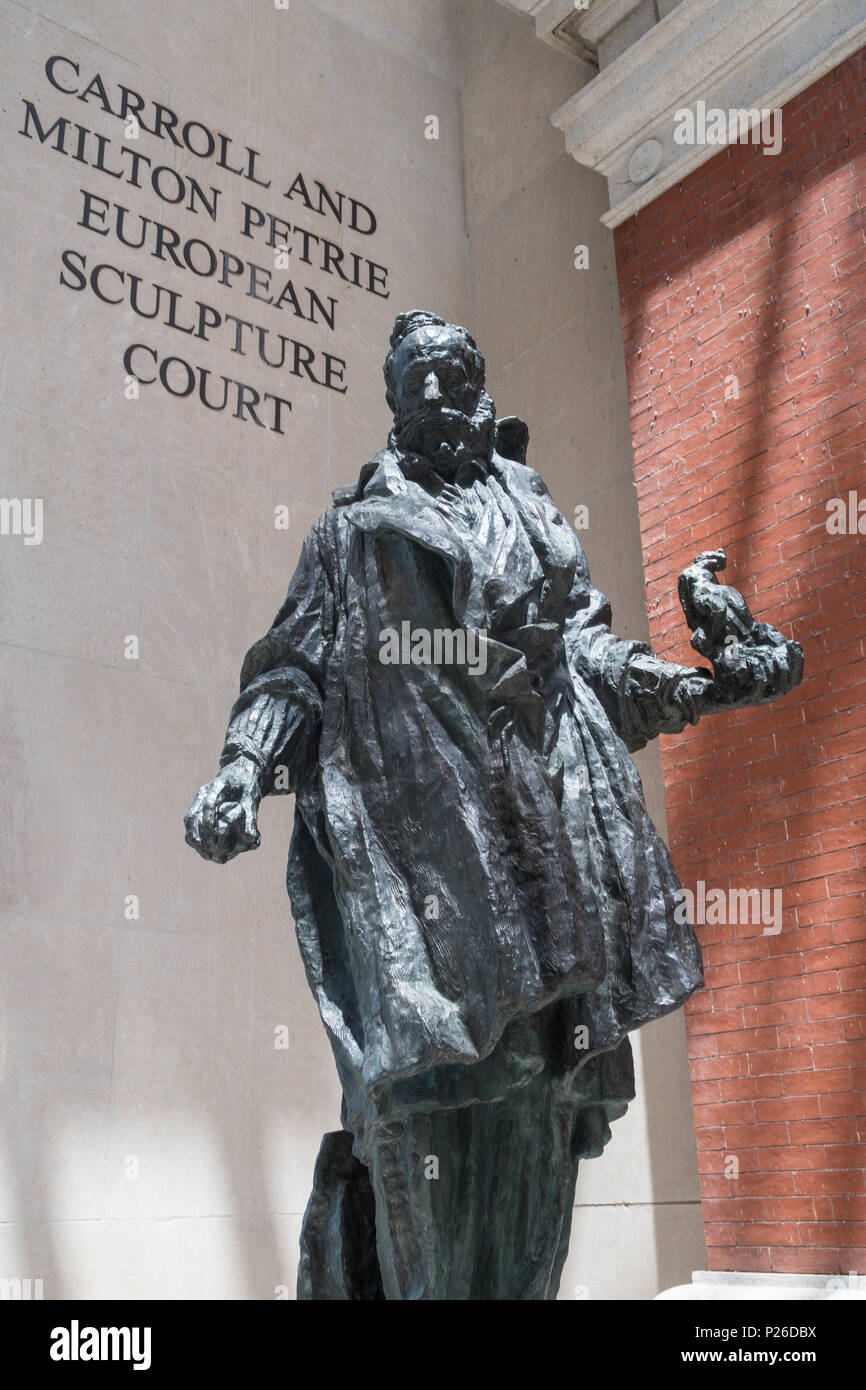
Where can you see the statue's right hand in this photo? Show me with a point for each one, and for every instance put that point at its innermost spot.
(221, 822)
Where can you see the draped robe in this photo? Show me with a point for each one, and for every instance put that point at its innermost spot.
(478, 891)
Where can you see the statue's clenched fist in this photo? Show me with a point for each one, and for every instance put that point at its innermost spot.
(221, 822)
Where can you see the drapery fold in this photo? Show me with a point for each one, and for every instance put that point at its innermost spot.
(478, 890)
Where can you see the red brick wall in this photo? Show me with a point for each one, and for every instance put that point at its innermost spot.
(755, 266)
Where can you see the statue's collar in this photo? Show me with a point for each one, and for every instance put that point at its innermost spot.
(388, 473)
(418, 469)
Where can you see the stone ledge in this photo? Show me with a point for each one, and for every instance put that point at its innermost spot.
(723, 1286)
(729, 54)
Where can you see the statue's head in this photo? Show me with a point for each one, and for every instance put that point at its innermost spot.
(434, 378)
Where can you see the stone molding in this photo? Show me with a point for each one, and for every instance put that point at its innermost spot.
(713, 1286)
(729, 54)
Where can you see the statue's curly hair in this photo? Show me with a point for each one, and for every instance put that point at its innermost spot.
(407, 323)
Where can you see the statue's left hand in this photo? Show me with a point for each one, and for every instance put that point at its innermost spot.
(752, 662)
(753, 673)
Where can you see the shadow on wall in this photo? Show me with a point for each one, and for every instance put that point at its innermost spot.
(158, 1142)
(679, 1246)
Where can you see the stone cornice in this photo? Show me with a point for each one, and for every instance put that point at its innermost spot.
(730, 54)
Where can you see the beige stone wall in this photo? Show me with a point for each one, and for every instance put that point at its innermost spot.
(150, 1042)
(155, 1142)
(554, 353)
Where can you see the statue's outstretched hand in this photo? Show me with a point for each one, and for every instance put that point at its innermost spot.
(752, 662)
(221, 822)
(758, 671)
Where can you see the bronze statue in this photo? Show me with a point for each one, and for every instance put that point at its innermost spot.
(483, 906)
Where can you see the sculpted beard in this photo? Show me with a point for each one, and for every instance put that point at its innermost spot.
(446, 437)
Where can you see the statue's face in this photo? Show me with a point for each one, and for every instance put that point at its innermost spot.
(435, 397)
